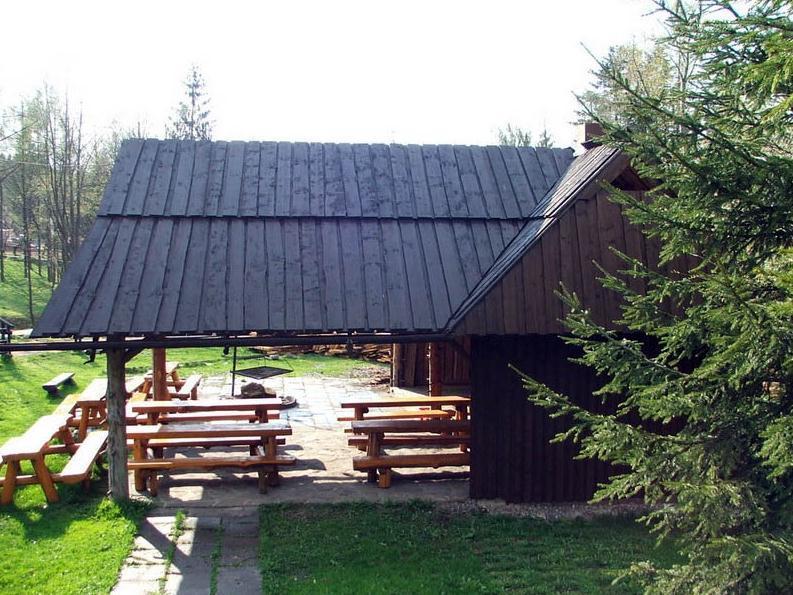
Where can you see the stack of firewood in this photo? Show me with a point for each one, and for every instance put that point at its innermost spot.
(377, 353)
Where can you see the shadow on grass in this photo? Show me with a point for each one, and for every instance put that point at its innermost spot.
(40, 520)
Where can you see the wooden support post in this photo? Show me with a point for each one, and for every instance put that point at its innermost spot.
(397, 365)
(159, 380)
(436, 369)
(116, 425)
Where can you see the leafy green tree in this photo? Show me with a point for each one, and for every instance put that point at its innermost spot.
(515, 136)
(721, 362)
(192, 120)
(649, 70)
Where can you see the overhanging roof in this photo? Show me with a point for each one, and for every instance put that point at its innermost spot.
(230, 238)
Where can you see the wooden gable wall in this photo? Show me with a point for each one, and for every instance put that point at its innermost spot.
(524, 302)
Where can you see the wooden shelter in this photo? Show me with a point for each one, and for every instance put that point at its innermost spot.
(457, 248)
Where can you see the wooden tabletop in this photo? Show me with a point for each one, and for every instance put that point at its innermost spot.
(205, 405)
(418, 400)
(170, 367)
(35, 439)
(209, 430)
(94, 392)
(411, 425)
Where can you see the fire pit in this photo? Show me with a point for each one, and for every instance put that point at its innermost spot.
(254, 390)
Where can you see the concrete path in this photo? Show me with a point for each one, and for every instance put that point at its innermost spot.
(190, 556)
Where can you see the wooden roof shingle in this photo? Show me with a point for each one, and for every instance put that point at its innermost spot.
(235, 237)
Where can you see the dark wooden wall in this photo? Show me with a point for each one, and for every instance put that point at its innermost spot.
(510, 454)
(524, 301)
(411, 366)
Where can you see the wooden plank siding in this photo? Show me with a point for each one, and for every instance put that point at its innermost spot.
(508, 429)
(523, 301)
(411, 367)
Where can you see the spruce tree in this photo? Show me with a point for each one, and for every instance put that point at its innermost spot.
(192, 118)
(720, 146)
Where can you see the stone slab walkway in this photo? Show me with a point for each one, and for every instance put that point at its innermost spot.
(187, 557)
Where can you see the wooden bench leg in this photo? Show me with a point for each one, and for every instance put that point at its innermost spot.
(138, 452)
(384, 478)
(45, 479)
(82, 429)
(262, 481)
(271, 451)
(154, 483)
(10, 482)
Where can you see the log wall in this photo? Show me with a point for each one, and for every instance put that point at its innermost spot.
(510, 454)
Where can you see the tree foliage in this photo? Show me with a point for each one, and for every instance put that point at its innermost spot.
(649, 70)
(191, 120)
(515, 136)
(721, 363)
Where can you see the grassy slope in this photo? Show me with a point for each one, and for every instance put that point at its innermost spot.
(367, 548)
(78, 544)
(14, 294)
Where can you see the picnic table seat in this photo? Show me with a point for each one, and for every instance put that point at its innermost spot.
(379, 464)
(78, 468)
(188, 388)
(53, 385)
(404, 414)
(67, 405)
(201, 416)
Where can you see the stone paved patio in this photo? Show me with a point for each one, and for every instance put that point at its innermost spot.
(222, 525)
(323, 472)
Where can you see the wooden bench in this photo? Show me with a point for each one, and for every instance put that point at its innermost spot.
(53, 385)
(203, 416)
(67, 405)
(425, 405)
(79, 466)
(404, 414)
(379, 465)
(261, 408)
(263, 456)
(189, 388)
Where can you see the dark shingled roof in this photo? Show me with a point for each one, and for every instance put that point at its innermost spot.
(581, 180)
(217, 237)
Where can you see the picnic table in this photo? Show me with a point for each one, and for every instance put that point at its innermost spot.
(35, 444)
(258, 410)
(92, 406)
(410, 432)
(432, 407)
(149, 441)
(172, 377)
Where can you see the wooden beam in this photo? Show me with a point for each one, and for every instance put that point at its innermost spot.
(397, 365)
(116, 425)
(436, 370)
(159, 379)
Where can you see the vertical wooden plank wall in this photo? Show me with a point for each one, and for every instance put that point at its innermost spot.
(410, 364)
(510, 454)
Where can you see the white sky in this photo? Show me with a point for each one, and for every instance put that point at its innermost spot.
(400, 71)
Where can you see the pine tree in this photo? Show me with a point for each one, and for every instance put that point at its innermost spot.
(721, 147)
(514, 136)
(192, 118)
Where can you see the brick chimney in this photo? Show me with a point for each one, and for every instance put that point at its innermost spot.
(589, 134)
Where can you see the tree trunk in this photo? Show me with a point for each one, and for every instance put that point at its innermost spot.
(2, 236)
(118, 482)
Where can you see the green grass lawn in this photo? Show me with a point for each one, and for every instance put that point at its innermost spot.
(78, 544)
(14, 293)
(416, 548)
